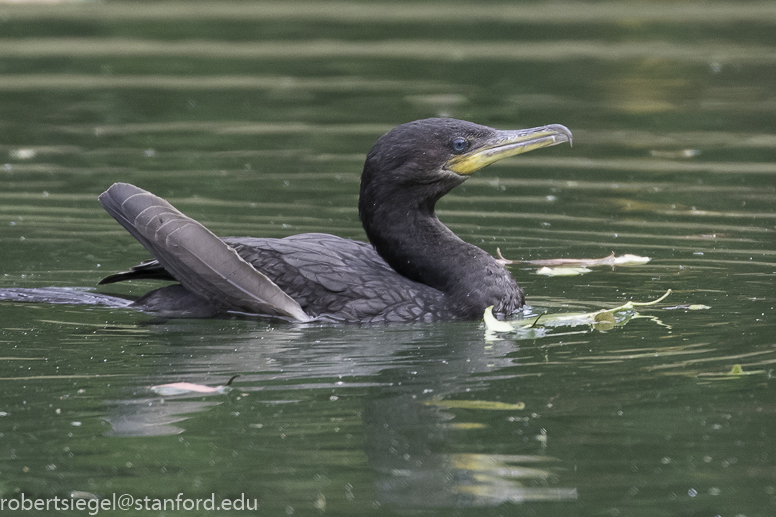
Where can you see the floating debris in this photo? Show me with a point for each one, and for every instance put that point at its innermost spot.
(609, 260)
(681, 154)
(22, 154)
(736, 372)
(693, 307)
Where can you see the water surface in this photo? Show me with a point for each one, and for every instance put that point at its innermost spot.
(255, 118)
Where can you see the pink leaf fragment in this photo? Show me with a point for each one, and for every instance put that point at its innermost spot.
(179, 388)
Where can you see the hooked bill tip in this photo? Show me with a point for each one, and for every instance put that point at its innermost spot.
(563, 133)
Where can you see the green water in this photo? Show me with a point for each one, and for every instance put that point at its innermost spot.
(255, 119)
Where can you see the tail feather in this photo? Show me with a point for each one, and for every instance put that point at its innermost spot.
(62, 295)
(191, 253)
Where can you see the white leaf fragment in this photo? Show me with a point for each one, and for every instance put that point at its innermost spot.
(563, 271)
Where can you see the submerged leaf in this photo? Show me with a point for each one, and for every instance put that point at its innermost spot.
(475, 404)
(81, 494)
(604, 321)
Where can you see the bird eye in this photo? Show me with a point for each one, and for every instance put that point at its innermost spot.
(460, 144)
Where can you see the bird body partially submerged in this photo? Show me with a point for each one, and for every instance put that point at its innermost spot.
(414, 269)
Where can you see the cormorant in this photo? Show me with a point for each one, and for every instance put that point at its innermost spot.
(414, 269)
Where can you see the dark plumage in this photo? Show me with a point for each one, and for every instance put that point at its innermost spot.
(415, 268)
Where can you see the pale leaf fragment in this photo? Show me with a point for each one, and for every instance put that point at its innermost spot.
(629, 259)
(610, 260)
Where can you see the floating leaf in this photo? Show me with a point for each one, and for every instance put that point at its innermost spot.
(563, 271)
(496, 325)
(605, 319)
(179, 388)
(475, 404)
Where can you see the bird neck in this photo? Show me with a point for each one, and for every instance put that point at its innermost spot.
(419, 246)
(414, 242)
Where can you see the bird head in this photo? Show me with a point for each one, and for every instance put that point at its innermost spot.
(421, 161)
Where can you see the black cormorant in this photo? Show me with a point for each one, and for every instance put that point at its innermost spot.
(413, 269)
